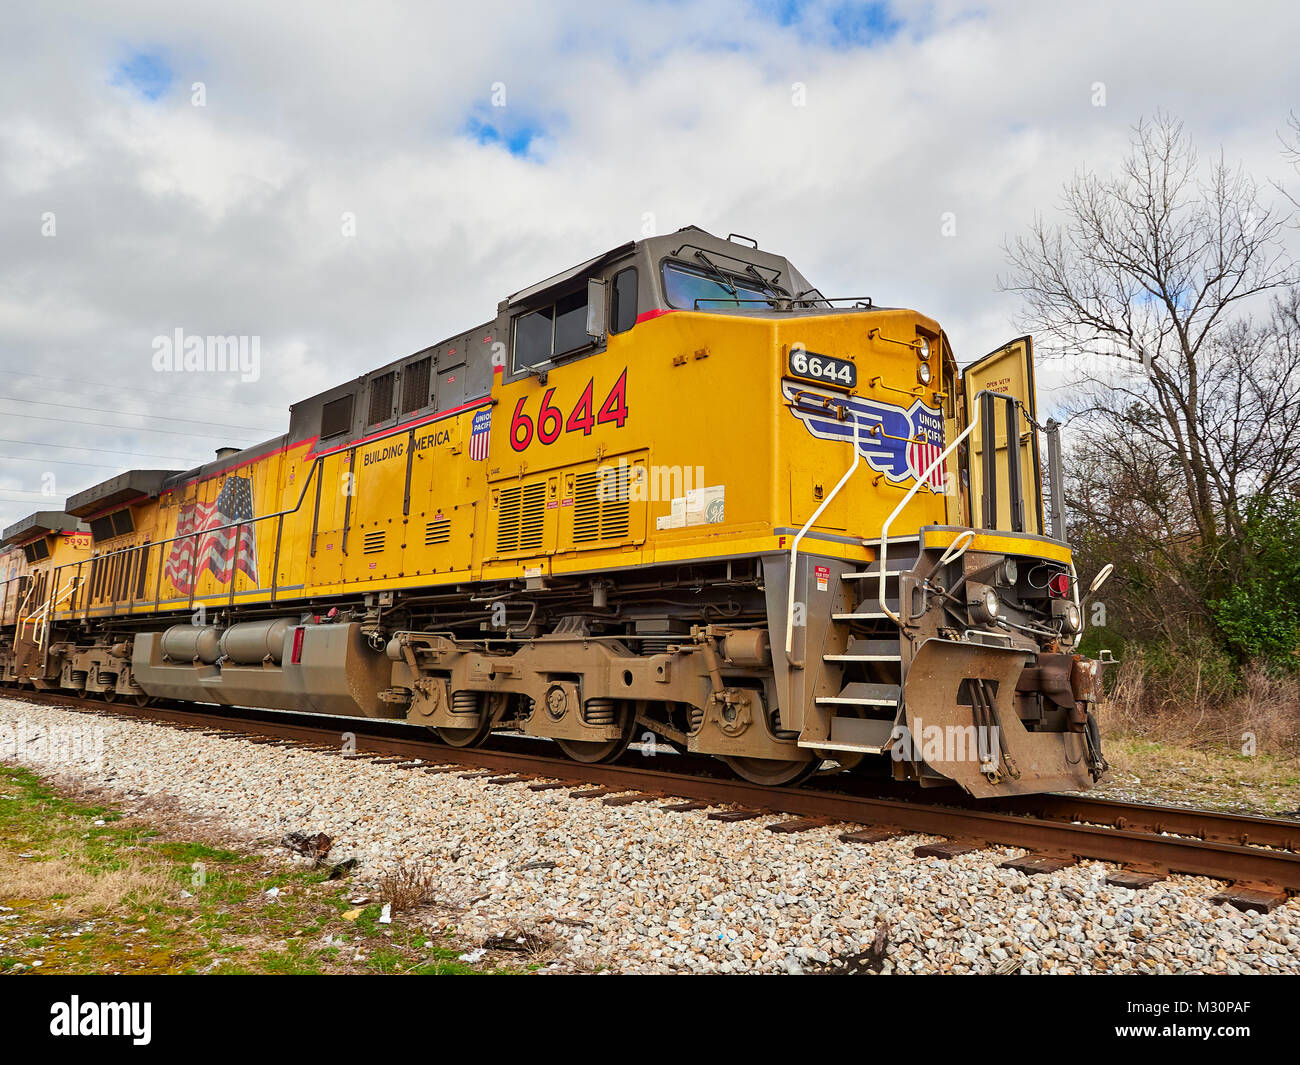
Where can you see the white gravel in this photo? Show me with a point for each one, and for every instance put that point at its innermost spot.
(637, 890)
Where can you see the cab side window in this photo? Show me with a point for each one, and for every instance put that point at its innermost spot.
(622, 315)
(548, 332)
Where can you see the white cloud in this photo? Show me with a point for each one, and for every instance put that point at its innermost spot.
(226, 219)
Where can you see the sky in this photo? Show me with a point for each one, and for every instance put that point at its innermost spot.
(349, 183)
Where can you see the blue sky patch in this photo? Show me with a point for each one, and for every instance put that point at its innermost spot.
(147, 73)
(515, 138)
(840, 23)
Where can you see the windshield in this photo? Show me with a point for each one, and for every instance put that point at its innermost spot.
(684, 285)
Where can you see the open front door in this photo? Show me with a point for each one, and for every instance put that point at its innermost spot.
(1016, 499)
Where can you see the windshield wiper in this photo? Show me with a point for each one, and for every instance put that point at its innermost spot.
(768, 286)
(718, 275)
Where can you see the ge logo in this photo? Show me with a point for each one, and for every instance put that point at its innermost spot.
(715, 512)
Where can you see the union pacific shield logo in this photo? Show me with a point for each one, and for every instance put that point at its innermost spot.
(899, 442)
(479, 430)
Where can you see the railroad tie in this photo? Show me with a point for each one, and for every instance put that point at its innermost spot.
(870, 835)
(734, 815)
(946, 849)
(1036, 864)
(1133, 878)
(629, 799)
(799, 824)
(1244, 898)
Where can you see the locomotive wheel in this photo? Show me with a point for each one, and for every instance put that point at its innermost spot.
(592, 752)
(771, 772)
(465, 737)
(142, 699)
(108, 695)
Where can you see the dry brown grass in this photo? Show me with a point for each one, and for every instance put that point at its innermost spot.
(1195, 709)
(407, 887)
(71, 884)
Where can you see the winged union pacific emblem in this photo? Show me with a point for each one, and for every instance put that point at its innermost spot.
(899, 442)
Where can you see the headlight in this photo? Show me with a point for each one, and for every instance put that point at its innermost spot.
(923, 347)
(1010, 571)
(923, 373)
(1070, 619)
(987, 607)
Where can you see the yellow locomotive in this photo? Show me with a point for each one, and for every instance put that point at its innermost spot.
(674, 494)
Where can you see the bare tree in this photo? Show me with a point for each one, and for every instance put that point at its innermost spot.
(1160, 267)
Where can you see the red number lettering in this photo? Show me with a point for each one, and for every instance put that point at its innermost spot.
(549, 416)
(582, 417)
(521, 423)
(614, 409)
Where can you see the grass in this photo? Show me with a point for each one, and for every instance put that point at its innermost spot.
(84, 890)
(1214, 778)
(1181, 730)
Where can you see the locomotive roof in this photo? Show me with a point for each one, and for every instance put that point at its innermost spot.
(42, 523)
(133, 484)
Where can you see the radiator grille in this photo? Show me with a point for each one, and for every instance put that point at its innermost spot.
(521, 517)
(602, 504)
(373, 542)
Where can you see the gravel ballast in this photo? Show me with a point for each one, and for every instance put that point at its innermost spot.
(633, 889)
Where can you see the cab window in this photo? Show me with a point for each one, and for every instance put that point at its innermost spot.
(549, 331)
(622, 312)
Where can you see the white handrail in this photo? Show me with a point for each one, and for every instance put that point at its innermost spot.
(50, 607)
(794, 547)
(19, 622)
(884, 529)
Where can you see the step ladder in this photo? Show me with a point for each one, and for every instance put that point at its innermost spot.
(871, 665)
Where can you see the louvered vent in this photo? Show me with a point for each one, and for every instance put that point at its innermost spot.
(373, 542)
(437, 532)
(601, 504)
(381, 397)
(415, 385)
(520, 518)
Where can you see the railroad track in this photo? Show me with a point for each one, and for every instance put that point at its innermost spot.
(1258, 857)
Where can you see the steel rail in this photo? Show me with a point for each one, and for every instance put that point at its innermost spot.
(1052, 825)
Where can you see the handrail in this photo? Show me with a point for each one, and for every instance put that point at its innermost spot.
(46, 613)
(884, 529)
(19, 623)
(794, 546)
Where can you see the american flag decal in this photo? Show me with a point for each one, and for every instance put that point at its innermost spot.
(478, 433)
(207, 545)
(920, 455)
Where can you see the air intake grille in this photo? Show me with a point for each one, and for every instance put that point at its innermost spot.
(381, 397)
(521, 517)
(373, 542)
(437, 532)
(415, 386)
(601, 504)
